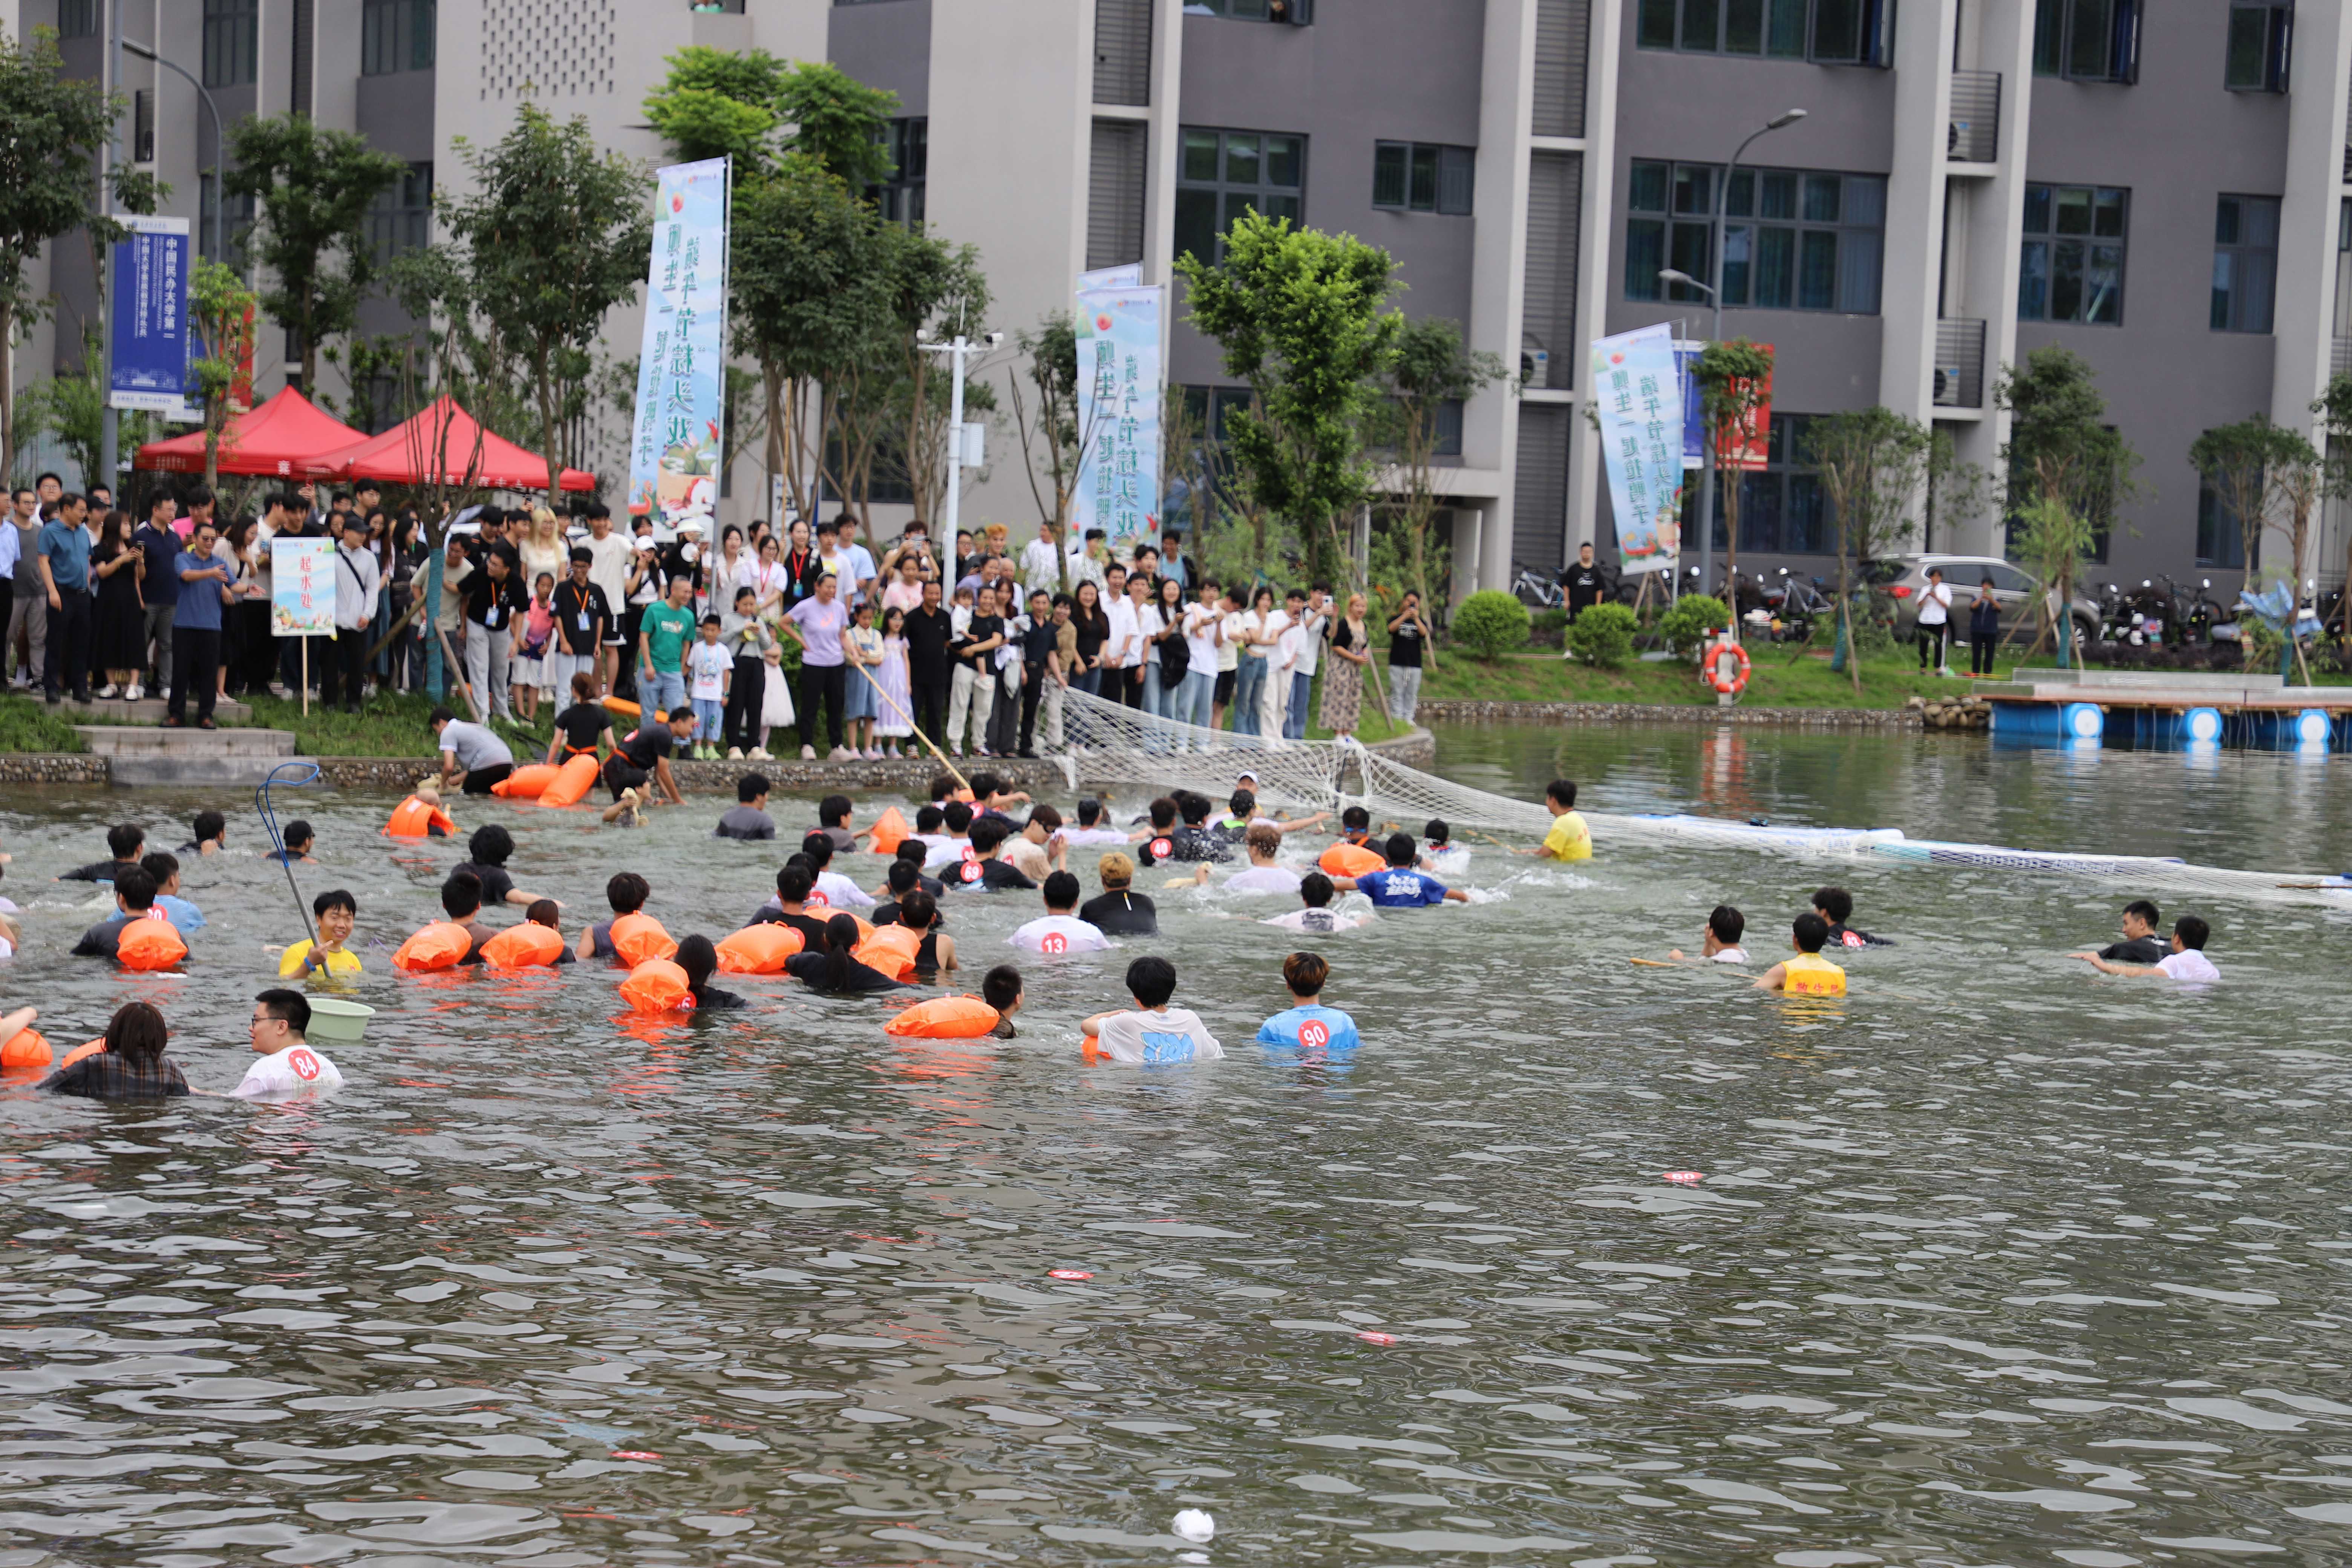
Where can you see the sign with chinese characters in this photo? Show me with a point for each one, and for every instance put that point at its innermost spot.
(1637, 389)
(147, 351)
(1118, 416)
(675, 445)
(302, 587)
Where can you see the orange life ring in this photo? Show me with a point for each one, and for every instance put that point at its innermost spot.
(1711, 666)
(440, 945)
(759, 950)
(657, 986)
(527, 946)
(150, 943)
(943, 1018)
(638, 936)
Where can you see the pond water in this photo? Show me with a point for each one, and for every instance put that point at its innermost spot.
(1996, 1261)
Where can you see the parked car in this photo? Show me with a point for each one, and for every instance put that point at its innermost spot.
(1903, 578)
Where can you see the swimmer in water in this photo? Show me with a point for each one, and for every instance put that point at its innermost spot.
(900, 879)
(627, 892)
(1193, 839)
(1059, 930)
(1091, 827)
(131, 1066)
(698, 956)
(1119, 910)
(549, 914)
(831, 971)
(1401, 886)
(1153, 1033)
(166, 869)
(487, 853)
(2140, 945)
(918, 912)
(1315, 913)
(833, 821)
(1836, 906)
(291, 1067)
(1356, 827)
(749, 820)
(1156, 840)
(1720, 944)
(1307, 1025)
(212, 834)
(1264, 843)
(987, 871)
(1569, 838)
(2186, 961)
(335, 913)
(298, 839)
(1807, 973)
(1001, 989)
(789, 907)
(461, 901)
(832, 889)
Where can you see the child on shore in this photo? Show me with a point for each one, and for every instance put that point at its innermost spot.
(1153, 1033)
(709, 670)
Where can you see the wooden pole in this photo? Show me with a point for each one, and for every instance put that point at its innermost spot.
(449, 654)
(305, 675)
(910, 718)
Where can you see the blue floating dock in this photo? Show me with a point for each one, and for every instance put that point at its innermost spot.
(2158, 709)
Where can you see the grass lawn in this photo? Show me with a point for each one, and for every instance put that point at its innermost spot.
(1775, 680)
(392, 725)
(29, 724)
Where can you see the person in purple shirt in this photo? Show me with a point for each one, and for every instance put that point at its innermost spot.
(816, 624)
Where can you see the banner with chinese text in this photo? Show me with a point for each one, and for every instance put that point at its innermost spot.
(675, 446)
(1638, 393)
(1118, 416)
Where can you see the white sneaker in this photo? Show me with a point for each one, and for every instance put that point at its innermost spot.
(734, 754)
(759, 755)
(107, 692)
(842, 754)
(808, 754)
(136, 693)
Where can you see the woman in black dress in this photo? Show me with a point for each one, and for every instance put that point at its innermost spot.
(119, 616)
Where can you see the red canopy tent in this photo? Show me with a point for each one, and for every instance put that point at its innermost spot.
(467, 455)
(282, 437)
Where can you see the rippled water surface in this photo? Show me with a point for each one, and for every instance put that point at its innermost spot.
(1997, 1261)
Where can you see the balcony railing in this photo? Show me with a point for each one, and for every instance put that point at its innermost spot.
(1974, 134)
(1959, 363)
(2341, 362)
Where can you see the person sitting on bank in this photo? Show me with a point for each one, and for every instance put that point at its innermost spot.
(1836, 906)
(291, 1067)
(2140, 945)
(131, 1066)
(470, 755)
(749, 820)
(335, 912)
(1807, 973)
(1725, 926)
(2186, 961)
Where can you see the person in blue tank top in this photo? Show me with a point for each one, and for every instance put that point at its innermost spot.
(1307, 1025)
(1401, 886)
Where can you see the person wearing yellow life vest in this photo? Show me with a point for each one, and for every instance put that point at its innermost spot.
(1807, 973)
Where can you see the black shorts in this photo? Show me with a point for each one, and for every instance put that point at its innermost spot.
(1223, 695)
(479, 781)
(620, 773)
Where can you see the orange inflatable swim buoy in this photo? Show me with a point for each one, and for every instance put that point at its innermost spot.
(25, 1048)
(943, 1018)
(889, 831)
(441, 945)
(527, 946)
(657, 986)
(573, 780)
(418, 817)
(87, 1048)
(526, 783)
(890, 948)
(621, 705)
(150, 943)
(1345, 859)
(759, 950)
(638, 936)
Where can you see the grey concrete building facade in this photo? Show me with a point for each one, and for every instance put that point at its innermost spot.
(2158, 185)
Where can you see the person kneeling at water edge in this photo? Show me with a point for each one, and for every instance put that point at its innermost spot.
(645, 754)
(2186, 960)
(1807, 973)
(291, 1067)
(1315, 890)
(1306, 1024)
(131, 1066)
(1060, 931)
(1725, 926)
(469, 752)
(1400, 886)
(335, 913)
(1154, 1033)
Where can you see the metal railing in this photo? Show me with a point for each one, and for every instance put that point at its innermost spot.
(1973, 135)
(2341, 362)
(1959, 363)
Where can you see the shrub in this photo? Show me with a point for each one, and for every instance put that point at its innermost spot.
(1491, 624)
(1692, 619)
(1603, 635)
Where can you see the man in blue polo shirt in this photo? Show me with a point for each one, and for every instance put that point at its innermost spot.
(1400, 886)
(196, 628)
(61, 555)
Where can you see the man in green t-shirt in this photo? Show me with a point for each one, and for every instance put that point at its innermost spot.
(662, 635)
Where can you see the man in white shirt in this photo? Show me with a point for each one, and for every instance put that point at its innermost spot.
(609, 558)
(1311, 623)
(1124, 650)
(1194, 700)
(1264, 843)
(1720, 944)
(1154, 1034)
(357, 580)
(1283, 627)
(1229, 656)
(1041, 561)
(1935, 621)
(291, 1067)
(1060, 931)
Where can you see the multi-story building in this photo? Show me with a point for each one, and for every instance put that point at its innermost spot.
(2157, 184)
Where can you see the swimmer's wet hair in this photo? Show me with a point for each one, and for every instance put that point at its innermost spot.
(159, 865)
(490, 845)
(1263, 838)
(210, 824)
(1117, 870)
(1062, 891)
(1726, 923)
(918, 910)
(1355, 816)
(1562, 791)
(461, 895)
(1151, 980)
(290, 1008)
(1046, 818)
(2193, 932)
(1315, 890)
(1000, 987)
(544, 913)
(699, 958)
(942, 787)
(628, 892)
(1399, 849)
(1305, 972)
(818, 847)
(1164, 813)
(298, 835)
(1835, 904)
(1241, 804)
(338, 899)
(751, 787)
(793, 884)
(904, 876)
(913, 851)
(989, 833)
(1811, 932)
(834, 810)
(135, 888)
(124, 839)
(1195, 807)
(1436, 832)
(985, 786)
(929, 819)
(136, 1031)
(2145, 911)
(958, 816)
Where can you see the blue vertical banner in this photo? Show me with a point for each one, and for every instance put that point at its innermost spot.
(1638, 394)
(1118, 415)
(147, 340)
(676, 443)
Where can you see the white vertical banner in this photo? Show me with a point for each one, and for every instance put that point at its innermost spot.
(676, 444)
(1118, 415)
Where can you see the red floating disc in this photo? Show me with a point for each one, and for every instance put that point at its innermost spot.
(1686, 1178)
(1374, 1337)
(1068, 1274)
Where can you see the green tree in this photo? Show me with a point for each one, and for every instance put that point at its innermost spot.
(52, 129)
(1430, 369)
(1299, 315)
(553, 237)
(1734, 383)
(2266, 475)
(717, 103)
(220, 314)
(1871, 462)
(936, 291)
(2059, 441)
(1046, 421)
(311, 188)
(838, 120)
(2334, 407)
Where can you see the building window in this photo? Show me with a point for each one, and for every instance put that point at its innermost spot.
(1225, 173)
(142, 126)
(1827, 32)
(1783, 509)
(235, 222)
(1296, 12)
(396, 36)
(77, 19)
(2260, 33)
(2221, 532)
(2073, 262)
(1793, 240)
(1415, 176)
(2087, 40)
(2344, 269)
(401, 217)
(2245, 263)
(232, 42)
(900, 198)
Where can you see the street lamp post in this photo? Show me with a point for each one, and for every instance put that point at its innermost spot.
(220, 142)
(1713, 291)
(958, 351)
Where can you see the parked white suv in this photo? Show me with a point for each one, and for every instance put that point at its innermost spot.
(1903, 578)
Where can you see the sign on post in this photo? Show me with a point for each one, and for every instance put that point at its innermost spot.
(1118, 416)
(147, 340)
(675, 448)
(302, 587)
(1638, 394)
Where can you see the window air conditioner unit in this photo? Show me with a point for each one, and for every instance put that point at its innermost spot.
(1535, 367)
(1948, 381)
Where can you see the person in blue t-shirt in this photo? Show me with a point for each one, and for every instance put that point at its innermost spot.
(1307, 1025)
(1400, 886)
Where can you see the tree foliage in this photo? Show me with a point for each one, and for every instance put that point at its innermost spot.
(836, 119)
(718, 104)
(1429, 369)
(1871, 462)
(311, 188)
(1735, 387)
(2060, 444)
(220, 314)
(2268, 476)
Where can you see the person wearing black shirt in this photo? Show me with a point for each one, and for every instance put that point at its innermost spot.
(493, 598)
(930, 628)
(1408, 634)
(1586, 583)
(793, 884)
(2140, 945)
(698, 956)
(646, 755)
(833, 972)
(1037, 645)
(984, 872)
(583, 727)
(1119, 912)
(975, 683)
(584, 621)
